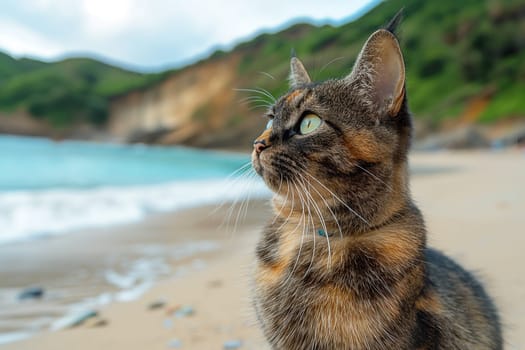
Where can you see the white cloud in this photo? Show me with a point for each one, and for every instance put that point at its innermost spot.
(50, 10)
(103, 18)
(20, 40)
(154, 32)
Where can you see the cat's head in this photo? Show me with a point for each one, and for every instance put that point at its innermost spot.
(342, 140)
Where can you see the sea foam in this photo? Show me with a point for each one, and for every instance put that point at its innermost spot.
(29, 214)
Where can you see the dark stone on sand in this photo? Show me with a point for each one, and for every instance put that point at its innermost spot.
(81, 317)
(101, 323)
(31, 293)
(232, 344)
(157, 304)
(89, 318)
(95, 322)
(215, 284)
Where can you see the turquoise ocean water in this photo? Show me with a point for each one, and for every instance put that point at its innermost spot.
(49, 187)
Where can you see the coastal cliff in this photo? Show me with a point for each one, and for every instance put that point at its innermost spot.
(195, 106)
(462, 72)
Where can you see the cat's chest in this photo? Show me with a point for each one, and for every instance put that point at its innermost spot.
(298, 314)
(327, 288)
(292, 251)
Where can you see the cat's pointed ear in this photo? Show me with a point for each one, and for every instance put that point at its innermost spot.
(380, 72)
(298, 74)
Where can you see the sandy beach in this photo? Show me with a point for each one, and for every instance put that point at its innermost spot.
(473, 203)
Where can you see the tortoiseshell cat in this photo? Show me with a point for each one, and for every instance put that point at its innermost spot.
(344, 265)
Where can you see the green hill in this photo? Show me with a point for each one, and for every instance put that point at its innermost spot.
(458, 53)
(63, 92)
(10, 67)
(454, 51)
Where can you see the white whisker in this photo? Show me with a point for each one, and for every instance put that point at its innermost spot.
(329, 209)
(268, 75)
(339, 199)
(322, 222)
(260, 91)
(302, 220)
(313, 234)
(373, 175)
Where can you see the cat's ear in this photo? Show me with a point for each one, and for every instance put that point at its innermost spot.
(380, 72)
(298, 74)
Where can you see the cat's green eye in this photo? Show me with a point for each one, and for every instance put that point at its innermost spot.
(269, 124)
(309, 123)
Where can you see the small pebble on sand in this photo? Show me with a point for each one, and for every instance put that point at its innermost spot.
(232, 344)
(175, 344)
(168, 323)
(157, 304)
(31, 293)
(184, 311)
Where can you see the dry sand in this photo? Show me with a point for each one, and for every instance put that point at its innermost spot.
(474, 204)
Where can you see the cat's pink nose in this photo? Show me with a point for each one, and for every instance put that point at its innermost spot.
(259, 145)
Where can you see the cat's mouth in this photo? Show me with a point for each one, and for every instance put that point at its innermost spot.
(261, 163)
(256, 164)
(269, 168)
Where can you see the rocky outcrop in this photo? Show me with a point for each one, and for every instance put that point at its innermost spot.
(190, 107)
(506, 133)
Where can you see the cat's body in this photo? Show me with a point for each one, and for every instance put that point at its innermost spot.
(344, 265)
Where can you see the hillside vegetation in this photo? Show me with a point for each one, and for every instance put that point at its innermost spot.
(64, 92)
(458, 54)
(455, 51)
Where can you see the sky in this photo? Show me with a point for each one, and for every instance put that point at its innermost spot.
(151, 35)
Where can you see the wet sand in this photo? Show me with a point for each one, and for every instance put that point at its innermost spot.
(473, 204)
(73, 268)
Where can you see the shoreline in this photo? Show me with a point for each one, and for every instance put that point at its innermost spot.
(472, 203)
(72, 275)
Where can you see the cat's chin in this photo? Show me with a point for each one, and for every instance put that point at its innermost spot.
(274, 183)
(259, 166)
(272, 180)
(267, 178)
(256, 165)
